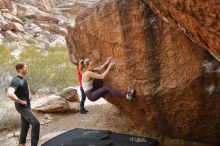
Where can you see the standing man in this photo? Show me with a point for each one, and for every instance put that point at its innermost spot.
(19, 92)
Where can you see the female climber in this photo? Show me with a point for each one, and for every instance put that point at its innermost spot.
(97, 83)
(93, 94)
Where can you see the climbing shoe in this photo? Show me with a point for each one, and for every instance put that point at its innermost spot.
(131, 95)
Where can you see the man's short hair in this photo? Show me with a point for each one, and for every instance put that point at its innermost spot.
(19, 66)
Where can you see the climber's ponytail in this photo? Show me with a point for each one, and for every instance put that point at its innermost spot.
(80, 66)
(86, 62)
(83, 63)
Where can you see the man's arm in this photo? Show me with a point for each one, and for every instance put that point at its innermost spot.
(10, 93)
(100, 68)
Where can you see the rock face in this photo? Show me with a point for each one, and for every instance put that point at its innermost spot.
(199, 20)
(22, 24)
(50, 17)
(177, 81)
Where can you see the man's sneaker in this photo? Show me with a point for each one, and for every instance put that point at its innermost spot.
(131, 95)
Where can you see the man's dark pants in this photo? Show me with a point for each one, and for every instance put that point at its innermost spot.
(27, 119)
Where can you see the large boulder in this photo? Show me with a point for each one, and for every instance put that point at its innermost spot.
(199, 20)
(63, 101)
(176, 79)
(54, 104)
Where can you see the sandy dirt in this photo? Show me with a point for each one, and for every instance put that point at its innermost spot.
(102, 116)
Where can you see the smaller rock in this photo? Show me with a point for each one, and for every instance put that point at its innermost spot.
(11, 35)
(17, 134)
(73, 106)
(12, 17)
(18, 27)
(5, 11)
(45, 122)
(14, 10)
(10, 135)
(69, 94)
(48, 117)
(42, 123)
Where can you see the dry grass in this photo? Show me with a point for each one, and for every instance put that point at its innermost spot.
(9, 117)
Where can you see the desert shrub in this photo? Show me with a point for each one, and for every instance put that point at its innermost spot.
(5, 69)
(8, 39)
(9, 117)
(31, 41)
(49, 68)
(5, 55)
(23, 18)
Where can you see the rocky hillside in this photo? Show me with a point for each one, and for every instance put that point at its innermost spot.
(163, 50)
(39, 23)
(69, 8)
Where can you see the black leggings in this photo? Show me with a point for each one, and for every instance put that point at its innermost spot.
(94, 95)
(83, 99)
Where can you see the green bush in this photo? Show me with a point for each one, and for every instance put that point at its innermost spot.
(5, 55)
(31, 41)
(8, 39)
(9, 118)
(46, 69)
(49, 68)
(6, 60)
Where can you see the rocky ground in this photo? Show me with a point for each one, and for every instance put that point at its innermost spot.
(100, 116)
